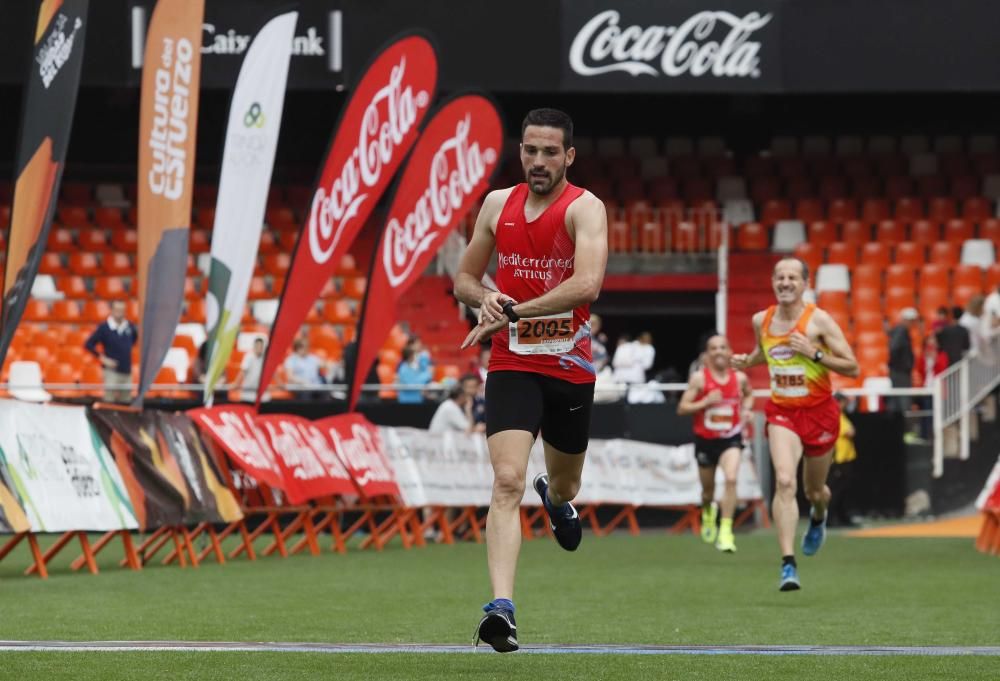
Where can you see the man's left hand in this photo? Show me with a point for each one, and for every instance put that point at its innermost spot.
(801, 344)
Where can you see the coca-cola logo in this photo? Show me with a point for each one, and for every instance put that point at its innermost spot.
(391, 113)
(714, 43)
(239, 435)
(360, 452)
(456, 170)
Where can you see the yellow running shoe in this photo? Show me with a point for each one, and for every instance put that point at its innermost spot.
(726, 542)
(709, 529)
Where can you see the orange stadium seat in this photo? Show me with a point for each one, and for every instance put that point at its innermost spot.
(194, 311)
(967, 275)
(652, 237)
(132, 309)
(119, 264)
(841, 253)
(964, 187)
(855, 232)
(833, 188)
(662, 188)
(809, 210)
(125, 240)
(908, 208)
(764, 189)
(684, 238)
(60, 241)
(925, 232)
(774, 210)
(810, 254)
(108, 217)
(73, 216)
(638, 211)
(874, 354)
(993, 277)
(268, 244)
(874, 211)
(822, 233)
(867, 276)
(933, 275)
(961, 295)
(286, 241)
(92, 375)
(96, 311)
(752, 237)
(276, 264)
(958, 230)
(52, 264)
(945, 253)
(72, 286)
(799, 187)
(198, 241)
(931, 298)
(866, 298)
(258, 289)
(869, 320)
(842, 210)
(976, 209)
(74, 355)
(338, 312)
(354, 287)
(195, 288)
(281, 218)
(65, 311)
(348, 267)
(875, 253)
(37, 353)
(93, 240)
(205, 217)
(910, 253)
(870, 338)
(865, 188)
(898, 186)
(940, 209)
(619, 237)
(890, 232)
(35, 311)
(58, 372)
(84, 264)
(990, 229)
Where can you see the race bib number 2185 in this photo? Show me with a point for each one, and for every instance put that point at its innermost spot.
(549, 335)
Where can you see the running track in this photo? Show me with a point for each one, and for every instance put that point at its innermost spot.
(377, 649)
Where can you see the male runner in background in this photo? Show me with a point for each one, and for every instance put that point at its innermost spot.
(801, 344)
(552, 245)
(721, 401)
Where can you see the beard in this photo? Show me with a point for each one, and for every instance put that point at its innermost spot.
(545, 185)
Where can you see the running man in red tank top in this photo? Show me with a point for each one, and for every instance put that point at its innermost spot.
(551, 240)
(721, 401)
(801, 345)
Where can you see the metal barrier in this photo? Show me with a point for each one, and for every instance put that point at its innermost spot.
(959, 390)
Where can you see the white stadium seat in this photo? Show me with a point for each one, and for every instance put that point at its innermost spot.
(787, 235)
(978, 252)
(833, 278)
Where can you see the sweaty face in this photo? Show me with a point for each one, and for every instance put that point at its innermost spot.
(719, 353)
(787, 281)
(544, 158)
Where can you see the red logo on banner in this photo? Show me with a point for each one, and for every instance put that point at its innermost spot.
(379, 125)
(449, 170)
(233, 429)
(359, 445)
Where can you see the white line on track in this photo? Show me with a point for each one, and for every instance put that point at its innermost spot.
(557, 649)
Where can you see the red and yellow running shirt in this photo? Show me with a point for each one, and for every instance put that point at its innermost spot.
(796, 380)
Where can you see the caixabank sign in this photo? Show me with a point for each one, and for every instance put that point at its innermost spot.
(651, 45)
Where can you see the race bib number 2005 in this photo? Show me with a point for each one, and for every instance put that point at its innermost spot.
(550, 335)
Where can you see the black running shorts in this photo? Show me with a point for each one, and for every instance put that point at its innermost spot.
(708, 451)
(524, 400)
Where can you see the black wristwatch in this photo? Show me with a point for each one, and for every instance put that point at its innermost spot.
(818, 357)
(508, 309)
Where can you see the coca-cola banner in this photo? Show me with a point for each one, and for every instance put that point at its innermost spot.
(449, 170)
(234, 429)
(683, 45)
(376, 130)
(359, 445)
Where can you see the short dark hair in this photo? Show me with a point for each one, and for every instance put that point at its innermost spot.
(469, 377)
(957, 311)
(551, 118)
(801, 262)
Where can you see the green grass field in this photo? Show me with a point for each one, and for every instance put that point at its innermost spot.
(653, 589)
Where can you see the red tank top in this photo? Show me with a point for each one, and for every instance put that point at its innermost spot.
(720, 420)
(532, 258)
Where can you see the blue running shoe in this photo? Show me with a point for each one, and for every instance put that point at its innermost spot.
(814, 537)
(789, 578)
(498, 627)
(565, 521)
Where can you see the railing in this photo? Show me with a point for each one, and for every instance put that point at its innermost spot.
(957, 391)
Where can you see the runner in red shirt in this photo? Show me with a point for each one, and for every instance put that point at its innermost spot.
(721, 401)
(551, 240)
(801, 344)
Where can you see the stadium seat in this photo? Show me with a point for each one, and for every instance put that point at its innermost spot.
(65, 311)
(945, 253)
(875, 384)
(890, 232)
(810, 254)
(96, 311)
(833, 277)
(976, 209)
(119, 264)
(84, 264)
(35, 311)
(93, 240)
(869, 320)
(195, 288)
(205, 217)
(60, 241)
(907, 209)
(61, 373)
(965, 187)
(51, 263)
(867, 276)
(822, 233)
(967, 275)
(338, 312)
(875, 253)
(898, 186)
(787, 235)
(931, 298)
(809, 210)
(978, 252)
(258, 289)
(354, 287)
(865, 297)
(910, 253)
(961, 295)
(932, 275)
(652, 237)
(870, 338)
(660, 188)
(685, 238)
(619, 237)
(990, 229)
(842, 210)
(993, 277)
(841, 253)
(108, 217)
(74, 217)
(125, 240)
(276, 264)
(752, 237)
(764, 189)
(925, 232)
(941, 209)
(72, 286)
(198, 241)
(874, 354)
(855, 232)
(775, 210)
(958, 230)
(874, 211)
(195, 311)
(26, 382)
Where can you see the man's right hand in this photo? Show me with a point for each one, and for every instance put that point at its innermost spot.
(491, 306)
(109, 363)
(739, 362)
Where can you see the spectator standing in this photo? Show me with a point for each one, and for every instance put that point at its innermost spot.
(901, 360)
(953, 338)
(991, 309)
(972, 321)
(303, 369)
(598, 343)
(414, 369)
(116, 336)
(248, 379)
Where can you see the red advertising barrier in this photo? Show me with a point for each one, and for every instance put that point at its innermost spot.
(359, 445)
